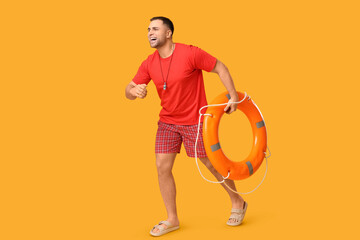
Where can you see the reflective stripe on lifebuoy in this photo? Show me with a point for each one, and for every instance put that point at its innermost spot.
(245, 168)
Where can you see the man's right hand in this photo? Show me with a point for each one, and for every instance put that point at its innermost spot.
(139, 91)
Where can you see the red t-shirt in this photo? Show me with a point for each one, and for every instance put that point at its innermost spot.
(185, 91)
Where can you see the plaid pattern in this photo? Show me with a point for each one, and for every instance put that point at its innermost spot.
(170, 136)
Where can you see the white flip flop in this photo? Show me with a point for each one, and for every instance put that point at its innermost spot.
(238, 215)
(162, 229)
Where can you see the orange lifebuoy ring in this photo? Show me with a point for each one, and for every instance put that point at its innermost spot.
(245, 168)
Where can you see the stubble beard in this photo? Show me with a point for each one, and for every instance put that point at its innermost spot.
(157, 44)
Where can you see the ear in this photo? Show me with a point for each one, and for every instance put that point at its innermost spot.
(168, 33)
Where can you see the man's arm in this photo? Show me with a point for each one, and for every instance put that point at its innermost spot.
(133, 91)
(226, 79)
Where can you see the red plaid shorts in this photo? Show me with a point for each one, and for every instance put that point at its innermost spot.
(170, 136)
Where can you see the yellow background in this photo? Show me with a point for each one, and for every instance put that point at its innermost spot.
(77, 157)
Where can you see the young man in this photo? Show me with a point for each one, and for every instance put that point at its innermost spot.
(176, 70)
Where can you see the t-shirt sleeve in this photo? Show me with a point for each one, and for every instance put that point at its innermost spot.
(142, 76)
(203, 60)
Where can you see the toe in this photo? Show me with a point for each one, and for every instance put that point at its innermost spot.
(157, 230)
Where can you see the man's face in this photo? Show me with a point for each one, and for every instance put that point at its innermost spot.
(157, 33)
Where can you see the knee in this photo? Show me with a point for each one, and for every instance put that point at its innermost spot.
(163, 168)
(207, 163)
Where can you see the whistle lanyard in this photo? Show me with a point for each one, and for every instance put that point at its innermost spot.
(165, 81)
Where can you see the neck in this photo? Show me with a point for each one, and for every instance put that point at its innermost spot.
(166, 50)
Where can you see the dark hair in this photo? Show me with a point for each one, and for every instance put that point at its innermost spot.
(167, 22)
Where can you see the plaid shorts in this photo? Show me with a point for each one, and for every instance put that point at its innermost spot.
(170, 136)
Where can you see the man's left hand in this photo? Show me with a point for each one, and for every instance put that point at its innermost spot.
(231, 106)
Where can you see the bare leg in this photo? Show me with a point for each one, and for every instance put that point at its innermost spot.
(164, 164)
(236, 200)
